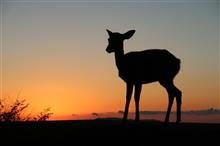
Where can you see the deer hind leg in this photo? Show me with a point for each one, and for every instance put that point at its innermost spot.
(171, 94)
(137, 99)
(128, 99)
(173, 91)
(178, 105)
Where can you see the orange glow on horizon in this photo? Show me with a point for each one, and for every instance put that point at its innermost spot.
(55, 56)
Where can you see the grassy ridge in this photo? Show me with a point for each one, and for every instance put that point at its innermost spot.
(109, 132)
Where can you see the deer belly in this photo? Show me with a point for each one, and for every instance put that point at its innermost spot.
(142, 77)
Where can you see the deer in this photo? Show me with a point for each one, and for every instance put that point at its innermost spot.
(143, 67)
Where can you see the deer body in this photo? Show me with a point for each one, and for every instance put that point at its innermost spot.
(148, 66)
(137, 68)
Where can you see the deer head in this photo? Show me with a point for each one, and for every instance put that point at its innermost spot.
(115, 41)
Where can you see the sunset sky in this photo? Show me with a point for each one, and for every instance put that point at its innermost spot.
(53, 52)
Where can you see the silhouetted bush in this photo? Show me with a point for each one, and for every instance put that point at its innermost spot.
(15, 112)
(44, 115)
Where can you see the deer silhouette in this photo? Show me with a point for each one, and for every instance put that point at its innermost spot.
(137, 68)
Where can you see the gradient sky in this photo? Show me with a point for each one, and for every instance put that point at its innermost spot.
(53, 52)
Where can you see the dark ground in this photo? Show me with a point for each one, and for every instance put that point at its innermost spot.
(109, 132)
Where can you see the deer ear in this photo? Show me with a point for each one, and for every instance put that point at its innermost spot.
(109, 32)
(128, 34)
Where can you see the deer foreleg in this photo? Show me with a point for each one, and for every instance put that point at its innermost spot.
(128, 99)
(137, 99)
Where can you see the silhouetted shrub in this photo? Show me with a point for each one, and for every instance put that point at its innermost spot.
(44, 115)
(15, 112)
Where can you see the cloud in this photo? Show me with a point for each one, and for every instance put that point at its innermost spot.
(210, 111)
(95, 114)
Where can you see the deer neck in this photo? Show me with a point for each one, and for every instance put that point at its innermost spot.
(119, 55)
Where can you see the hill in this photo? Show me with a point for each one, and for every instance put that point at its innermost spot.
(109, 132)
